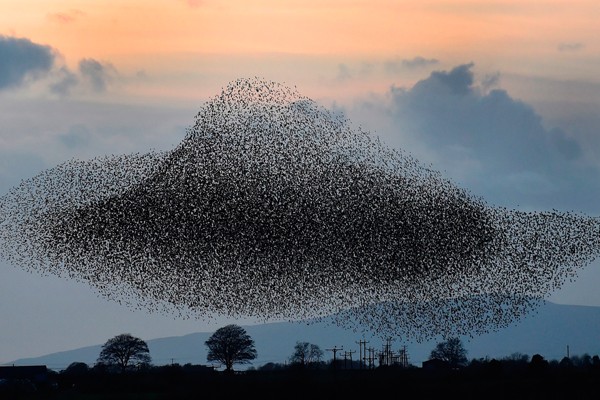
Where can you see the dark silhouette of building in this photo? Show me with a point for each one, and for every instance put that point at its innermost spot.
(35, 373)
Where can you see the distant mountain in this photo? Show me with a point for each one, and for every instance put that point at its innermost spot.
(548, 331)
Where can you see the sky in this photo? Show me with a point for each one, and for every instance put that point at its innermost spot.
(502, 97)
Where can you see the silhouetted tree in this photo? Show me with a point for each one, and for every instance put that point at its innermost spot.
(566, 362)
(517, 358)
(452, 351)
(76, 368)
(583, 361)
(230, 345)
(538, 363)
(270, 366)
(124, 351)
(306, 353)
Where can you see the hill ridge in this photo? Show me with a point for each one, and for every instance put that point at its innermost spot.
(546, 331)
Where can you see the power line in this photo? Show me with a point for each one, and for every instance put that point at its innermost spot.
(335, 349)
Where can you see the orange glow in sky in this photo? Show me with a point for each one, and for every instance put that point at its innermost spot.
(188, 44)
(110, 29)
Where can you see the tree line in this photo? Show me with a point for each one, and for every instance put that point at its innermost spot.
(124, 368)
(231, 345)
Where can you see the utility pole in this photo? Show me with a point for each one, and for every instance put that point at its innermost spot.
(386, 354)
(348, 354)
(404, 357)
(371, 358)
(335, 349)
(363, 354)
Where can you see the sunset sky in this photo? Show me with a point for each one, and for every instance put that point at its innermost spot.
(501, 96)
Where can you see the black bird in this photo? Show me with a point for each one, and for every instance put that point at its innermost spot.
(274, 207)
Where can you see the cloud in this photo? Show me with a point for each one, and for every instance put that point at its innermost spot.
(64, 18)
(360, 71)
(419, 62)
(570, 46)
(489, 81)
(21, 59)
(395, 66)
(97, 74)
(459, 81)
(373, 69)
(66, 81)
(491, 141)
(91, 76)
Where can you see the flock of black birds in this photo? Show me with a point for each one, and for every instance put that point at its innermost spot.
(276, 208)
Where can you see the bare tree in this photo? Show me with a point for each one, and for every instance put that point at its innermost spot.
(230, 345)
(124, 351)
(306, 353)
(452, 351)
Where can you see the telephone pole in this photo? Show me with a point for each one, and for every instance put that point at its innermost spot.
(348, 354)
(335, 349)
(371, 358)
(363, 353)
(403, 357)
(386, 354)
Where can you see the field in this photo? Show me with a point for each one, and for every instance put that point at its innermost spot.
(487, 381)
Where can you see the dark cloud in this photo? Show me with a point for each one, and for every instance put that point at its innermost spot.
(96, 73)
(419, 62)
(66, 81)
(92, 75)
(20, 59)
(490, 140)
(459, 81)
(570, 46)
(395, 66)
